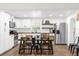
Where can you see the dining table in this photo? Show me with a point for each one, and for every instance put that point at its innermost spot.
(38, 41)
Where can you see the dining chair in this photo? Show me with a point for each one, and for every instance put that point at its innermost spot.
(29, 40)
(21, 45)
(24, 44)
(77, 49)
(39, 42)
(46, 42)
(34, 45)
(73, 44)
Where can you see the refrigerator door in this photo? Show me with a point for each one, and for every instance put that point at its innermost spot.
(62, 29)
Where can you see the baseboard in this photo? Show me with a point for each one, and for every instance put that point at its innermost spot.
(7, 50)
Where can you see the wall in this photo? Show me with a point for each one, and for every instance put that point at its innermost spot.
(77, 23)
(77, 28)
(71, 29)
(5, 42)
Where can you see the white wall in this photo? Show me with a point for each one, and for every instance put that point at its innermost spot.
(5, 42)
(77, 28)
(71, 29)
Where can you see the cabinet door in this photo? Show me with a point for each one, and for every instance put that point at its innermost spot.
(26, 23)
(11, 38)
(19, 23)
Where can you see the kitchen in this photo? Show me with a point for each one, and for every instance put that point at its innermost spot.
(19, 24)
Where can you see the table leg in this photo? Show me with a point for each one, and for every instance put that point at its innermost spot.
(76, 51)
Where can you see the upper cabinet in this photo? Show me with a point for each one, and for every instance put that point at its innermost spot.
(26, 23)
(23, 23)
(29, 25)
(18, 23)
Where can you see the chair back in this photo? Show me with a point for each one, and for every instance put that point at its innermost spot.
(45, 36)
(22, 40)
(28, 37)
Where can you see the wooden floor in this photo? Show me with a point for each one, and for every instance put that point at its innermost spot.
(59, 50)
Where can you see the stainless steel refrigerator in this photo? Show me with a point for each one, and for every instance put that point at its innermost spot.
(62, 36)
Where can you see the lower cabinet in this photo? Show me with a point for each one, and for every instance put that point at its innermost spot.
(11, 37)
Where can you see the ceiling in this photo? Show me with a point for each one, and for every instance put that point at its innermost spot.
(41, 10)
(41, 14)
